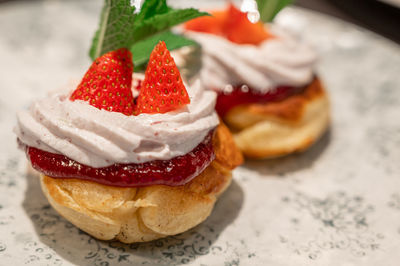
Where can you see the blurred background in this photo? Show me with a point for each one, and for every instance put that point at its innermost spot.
(380, 16)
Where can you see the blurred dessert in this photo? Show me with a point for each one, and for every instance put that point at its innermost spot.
(268, 92)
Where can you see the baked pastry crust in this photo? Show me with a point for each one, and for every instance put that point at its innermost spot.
(277, 129)
(147, 213)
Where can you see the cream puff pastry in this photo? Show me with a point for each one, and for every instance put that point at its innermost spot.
(268, 92)
(144, 213)
(130, 168)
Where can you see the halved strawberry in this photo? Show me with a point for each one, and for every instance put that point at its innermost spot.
(210, 24)
(162, 89)
(231, 24)
(107, 83)
(239, 29)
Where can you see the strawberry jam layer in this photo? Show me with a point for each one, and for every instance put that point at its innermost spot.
(175, 172)
(238, 96)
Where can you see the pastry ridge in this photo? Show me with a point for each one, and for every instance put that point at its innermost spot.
(280, 128)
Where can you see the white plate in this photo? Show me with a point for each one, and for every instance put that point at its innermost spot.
(337, 204)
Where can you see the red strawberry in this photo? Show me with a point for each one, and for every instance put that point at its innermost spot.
(107, 83)
(239, 29)
(162, 89)
(231, 24)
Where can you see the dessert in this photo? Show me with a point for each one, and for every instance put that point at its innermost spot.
(130, 177)
(268, 92)
(127, 157)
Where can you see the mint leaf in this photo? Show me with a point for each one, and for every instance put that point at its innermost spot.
(120, 27)
(115, 30)
(141, 50)
(149, 8)
(161, 22)
(270, 8)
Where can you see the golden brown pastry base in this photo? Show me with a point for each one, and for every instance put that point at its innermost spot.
(143, 214)
(277, 129)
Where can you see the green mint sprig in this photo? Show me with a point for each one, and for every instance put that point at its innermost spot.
(270, 8)
(120, 27)
(114, 31)
(142, 49)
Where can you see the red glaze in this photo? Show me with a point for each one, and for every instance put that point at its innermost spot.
(175, 172)
(227, 101)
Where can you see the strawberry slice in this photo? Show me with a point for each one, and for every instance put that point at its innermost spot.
(107, 83)
(240, 30)
(210, 24)
(162, 89)
(231, 24)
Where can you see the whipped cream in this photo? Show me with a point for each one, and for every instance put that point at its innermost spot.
(99, 138)
(279, 61)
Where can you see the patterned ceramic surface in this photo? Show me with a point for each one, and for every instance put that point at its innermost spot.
(336, 204)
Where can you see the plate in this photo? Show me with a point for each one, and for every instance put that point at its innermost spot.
(336, 204)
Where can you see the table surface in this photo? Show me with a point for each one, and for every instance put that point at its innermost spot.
(336, 204)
